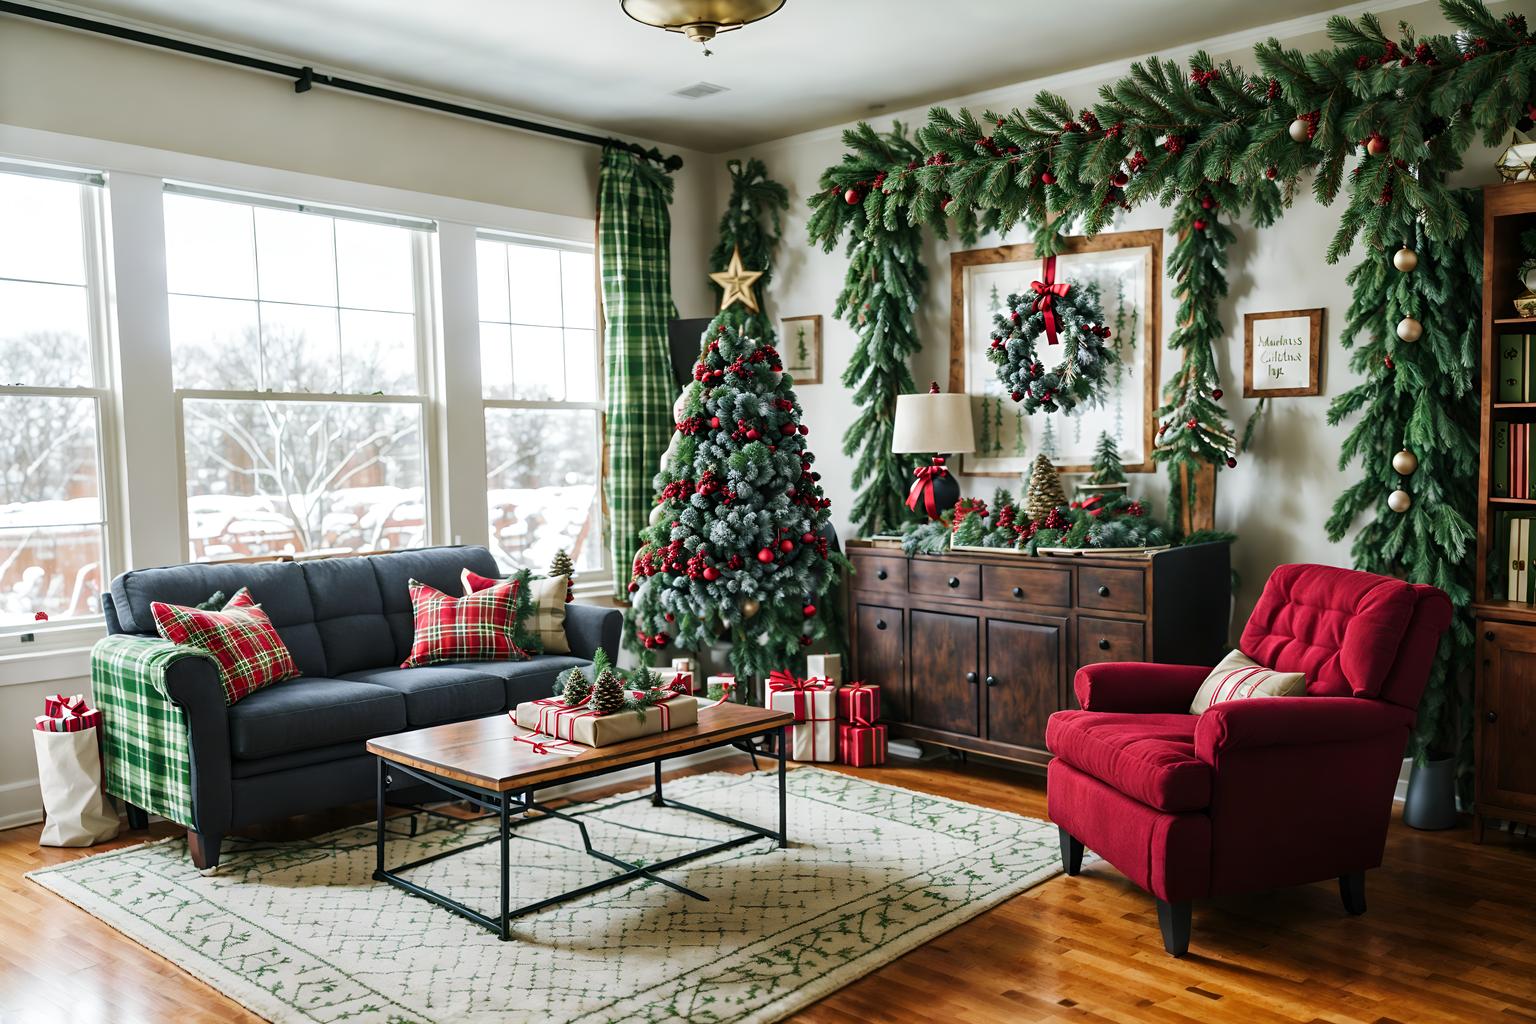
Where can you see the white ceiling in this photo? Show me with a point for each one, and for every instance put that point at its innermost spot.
(815, 63)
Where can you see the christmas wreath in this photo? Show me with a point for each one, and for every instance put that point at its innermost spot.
(1067, 315)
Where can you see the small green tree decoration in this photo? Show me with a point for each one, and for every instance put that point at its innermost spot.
(1107, 467)
(1045, 491)
(561, 565)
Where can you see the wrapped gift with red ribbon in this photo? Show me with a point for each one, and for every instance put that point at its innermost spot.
(825, 666)
(720, 685)
(814, 705)
(676, 680)
(578, 723)
(67, 714)
(858, 701)
(861, 743)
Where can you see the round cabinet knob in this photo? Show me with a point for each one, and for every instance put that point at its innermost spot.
(954, 581)
(1018, 591)
(881, 574)
(991, 680)
(1492, 716)
(1103, 591)
(970, 677)
(879, 623)
(1103, 644)
(1488, 635)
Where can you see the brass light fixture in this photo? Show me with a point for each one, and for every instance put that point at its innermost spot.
(700, 20)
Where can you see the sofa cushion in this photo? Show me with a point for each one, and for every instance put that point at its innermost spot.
(1239, 677)
(526, 680)
(436, 567)
(349, 614)
(311, 712)
(440, 693)
(240, 638)
(547, 598)
(278, 587)
(480, 627)
(1148, 757)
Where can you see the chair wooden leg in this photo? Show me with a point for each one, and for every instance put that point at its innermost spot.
(1174, 920)
(1071, 852)
(204, 849)
(1352, 892)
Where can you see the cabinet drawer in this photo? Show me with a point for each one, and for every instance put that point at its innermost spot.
(945, 579)
(881, 573)
(1115, 590)
(1006, 584)
(1109, 640)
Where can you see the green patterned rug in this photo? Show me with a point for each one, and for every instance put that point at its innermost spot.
(301, 933)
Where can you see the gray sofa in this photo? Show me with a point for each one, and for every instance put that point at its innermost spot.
(297, 746)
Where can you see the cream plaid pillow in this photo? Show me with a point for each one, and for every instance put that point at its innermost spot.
(1239, 677)
(548, 618)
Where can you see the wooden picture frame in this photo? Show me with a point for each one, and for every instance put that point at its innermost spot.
(804, 365)
(1118, 257)
(1291, 353)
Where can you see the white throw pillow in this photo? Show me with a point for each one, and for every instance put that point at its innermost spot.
(1239, 677)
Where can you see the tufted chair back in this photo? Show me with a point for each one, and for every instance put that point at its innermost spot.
(1353, 634)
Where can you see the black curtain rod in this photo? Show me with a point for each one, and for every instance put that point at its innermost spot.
(305, 78)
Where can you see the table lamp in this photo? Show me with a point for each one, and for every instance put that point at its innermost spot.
(938, 423)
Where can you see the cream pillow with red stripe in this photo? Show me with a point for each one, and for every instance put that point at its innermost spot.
(240, 638)
(1239, 677)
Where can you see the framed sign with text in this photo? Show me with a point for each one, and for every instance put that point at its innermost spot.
(1282, 353)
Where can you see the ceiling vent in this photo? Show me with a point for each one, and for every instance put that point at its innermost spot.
(699, 90)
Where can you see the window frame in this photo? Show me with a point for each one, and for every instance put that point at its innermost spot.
(603, 572)
(92, 193)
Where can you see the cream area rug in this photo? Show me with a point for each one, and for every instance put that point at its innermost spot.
(300, 932)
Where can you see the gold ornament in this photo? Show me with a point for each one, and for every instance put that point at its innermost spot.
(737, 282)
(1405, 259)
(1405, 462)
(750, 607)
(1409, 329)
(1399, 501)
(1299, 129)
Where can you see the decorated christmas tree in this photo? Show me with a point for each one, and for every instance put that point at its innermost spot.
(1107, 467)
(735, 544)
(1045, 492)
(751, 225)
(561, 565)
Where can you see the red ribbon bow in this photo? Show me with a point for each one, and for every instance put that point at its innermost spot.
(1046, 294)
(778, 679)
(922, 487)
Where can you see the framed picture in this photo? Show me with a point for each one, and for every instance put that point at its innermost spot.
(800, 345)
(1282, 353)
(1125, 270)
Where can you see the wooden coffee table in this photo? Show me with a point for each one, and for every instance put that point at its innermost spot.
(481, 763)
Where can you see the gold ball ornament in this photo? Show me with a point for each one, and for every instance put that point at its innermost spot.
(1405, 259)
(750, 607)
(1409, 329)
(1299, 129)
(1399, 501)
(1405, 462)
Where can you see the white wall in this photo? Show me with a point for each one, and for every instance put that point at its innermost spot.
(74, 98)
(1279, 496)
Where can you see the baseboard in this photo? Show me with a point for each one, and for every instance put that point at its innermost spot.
(21, 803)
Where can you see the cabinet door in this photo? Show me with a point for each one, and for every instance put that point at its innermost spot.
(1506, 704)
(1024, 678)
(946, 671)
(881, 646)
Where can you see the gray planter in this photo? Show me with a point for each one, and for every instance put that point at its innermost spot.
(1431, 801)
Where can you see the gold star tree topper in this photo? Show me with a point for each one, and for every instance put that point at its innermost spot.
(737, 282)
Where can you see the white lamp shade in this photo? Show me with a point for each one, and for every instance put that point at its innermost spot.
(933, 423)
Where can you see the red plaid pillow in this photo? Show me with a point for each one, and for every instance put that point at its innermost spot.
(240, 638)
(478, 627)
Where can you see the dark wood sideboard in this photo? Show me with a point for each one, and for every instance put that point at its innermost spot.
(975, 651)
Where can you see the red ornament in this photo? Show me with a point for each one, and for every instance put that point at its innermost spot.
(1017, 396)
(1231, 463)
(805, 641)
(39, 616)
(711, 573)
(787, 429)
(1047, 178)
(1199, 224)
(809, 610)
(1207, 203)
(1216, 394)
(633, 586)
(851, 197)
(668, 616)
(1119, 179)
(765, 555)
(714, 422)
(804, 429)
(752, 434)
(808, 537)
(786, 545)
(1376, 144)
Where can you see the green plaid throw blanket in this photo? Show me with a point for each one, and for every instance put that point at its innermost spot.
(144, 736)
(634, 235)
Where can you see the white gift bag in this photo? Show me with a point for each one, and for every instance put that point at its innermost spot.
(69, 770)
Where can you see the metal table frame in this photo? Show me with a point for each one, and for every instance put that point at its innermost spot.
(503, 804)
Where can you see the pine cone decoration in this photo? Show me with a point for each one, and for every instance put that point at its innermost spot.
(577, 687)
(608, 693)
(561, 565)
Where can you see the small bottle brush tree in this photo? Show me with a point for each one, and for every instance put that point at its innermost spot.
(561, 565)
(1107, 467)
(735, 542)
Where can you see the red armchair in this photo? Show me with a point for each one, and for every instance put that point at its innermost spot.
(1252, 794)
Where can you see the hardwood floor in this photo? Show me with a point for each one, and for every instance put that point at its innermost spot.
(1450, 937)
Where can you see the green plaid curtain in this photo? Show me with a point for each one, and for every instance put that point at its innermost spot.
(633, 235)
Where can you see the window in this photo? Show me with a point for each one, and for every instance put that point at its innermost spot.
(539, 375)
(53, 513)
(298, 336)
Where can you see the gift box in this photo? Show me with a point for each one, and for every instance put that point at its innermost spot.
(825, 666)
(718, 686)
(676, 680)
(861, 744)
(683, 664)
(580, 724)
(66, 714)
(813, 702)
(858, 702)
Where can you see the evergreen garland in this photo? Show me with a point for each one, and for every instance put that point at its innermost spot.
(752, 222)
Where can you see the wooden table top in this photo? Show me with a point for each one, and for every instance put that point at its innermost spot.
(483, 753)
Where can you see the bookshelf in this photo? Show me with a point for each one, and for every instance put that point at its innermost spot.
(1505, 685)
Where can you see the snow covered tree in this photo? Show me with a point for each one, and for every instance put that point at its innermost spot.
(1107, 467)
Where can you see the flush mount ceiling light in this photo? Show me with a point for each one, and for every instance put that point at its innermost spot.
(699, 20)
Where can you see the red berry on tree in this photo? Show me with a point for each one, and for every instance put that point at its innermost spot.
(669, 617)
(752, 434)
(804, 429)
(1216, 394)
(1047, 178)
(1191, 424)
(1207, 203)
(714, 422)
(1231, 463)
(809, 610)
(765, 555)
(1017, 396)
(1199, 224)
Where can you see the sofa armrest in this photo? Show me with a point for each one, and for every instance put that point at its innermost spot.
(1295, 722)
(589, 627)
(1136, 687)
(165, 729)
